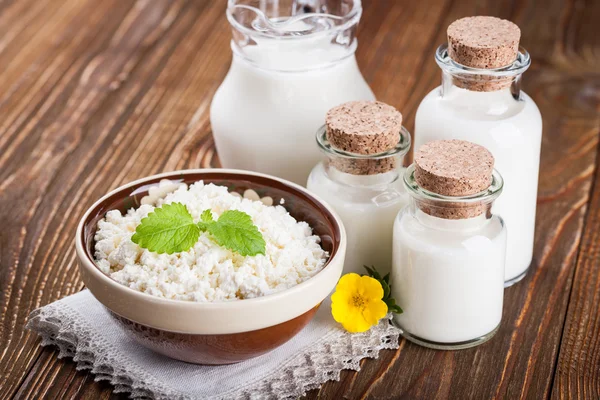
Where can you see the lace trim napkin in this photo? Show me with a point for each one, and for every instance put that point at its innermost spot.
(82, 329)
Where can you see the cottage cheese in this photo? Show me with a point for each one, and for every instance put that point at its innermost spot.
(209, 272)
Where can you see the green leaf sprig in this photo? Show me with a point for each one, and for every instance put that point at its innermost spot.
(171, 229)
(385, 284)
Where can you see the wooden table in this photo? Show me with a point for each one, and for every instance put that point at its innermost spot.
(98, 93)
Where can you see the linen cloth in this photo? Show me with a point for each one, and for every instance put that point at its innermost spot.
(82, 329)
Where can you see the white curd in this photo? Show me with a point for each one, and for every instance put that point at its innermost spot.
(208, 272)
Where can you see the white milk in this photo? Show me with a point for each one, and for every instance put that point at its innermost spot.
(368, 206)
(512, 130)
(274, 98)
(448, 277)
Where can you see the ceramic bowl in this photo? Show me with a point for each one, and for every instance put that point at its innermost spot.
(220, 332)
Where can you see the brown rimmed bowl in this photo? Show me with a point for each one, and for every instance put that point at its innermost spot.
(219, 332)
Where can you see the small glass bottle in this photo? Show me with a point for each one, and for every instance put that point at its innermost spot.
(364, 144)
(292, 61)
(480, 100)
(449, 249)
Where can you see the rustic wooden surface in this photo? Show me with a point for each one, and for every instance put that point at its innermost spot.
(94, 94)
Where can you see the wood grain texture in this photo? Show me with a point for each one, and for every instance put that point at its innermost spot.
(578, 369)
(95, 94)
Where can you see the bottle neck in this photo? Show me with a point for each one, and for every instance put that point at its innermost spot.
(475, 90)
(337, 174)
(481, 85)
(494, 104)
(363, 170)
(449, 212)
(434, 215)
(293, 36)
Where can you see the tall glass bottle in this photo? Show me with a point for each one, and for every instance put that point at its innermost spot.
(480, 100)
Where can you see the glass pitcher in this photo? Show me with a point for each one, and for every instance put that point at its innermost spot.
(292, 61)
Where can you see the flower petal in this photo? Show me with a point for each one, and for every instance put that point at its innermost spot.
(374, 311)
(341, 307)
(370, 288)
(355, 322)
(348, 283)
(341, 296)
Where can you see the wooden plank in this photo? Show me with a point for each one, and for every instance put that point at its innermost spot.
(577, 373)
(128, 96)
(63, 155)
(41, 85)
(578, 369)
(150, 107)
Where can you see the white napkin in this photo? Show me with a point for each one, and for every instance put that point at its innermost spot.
(82, 329)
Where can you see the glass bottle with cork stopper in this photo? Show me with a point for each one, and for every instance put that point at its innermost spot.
(364, 144)
(449, 249)
(480, 100)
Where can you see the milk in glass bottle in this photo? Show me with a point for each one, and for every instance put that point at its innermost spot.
(449, 248)
(364, 144)
(480, 100)
(292, 61)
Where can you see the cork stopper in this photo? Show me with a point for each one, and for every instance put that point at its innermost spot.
(454, 168)
(364, 128)
(485, 43)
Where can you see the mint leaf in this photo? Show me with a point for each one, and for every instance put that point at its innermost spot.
(235, 231)
(171, 229)
(206, 216)
(168, 229)
(205, 219)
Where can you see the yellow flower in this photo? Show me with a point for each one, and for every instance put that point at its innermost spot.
(357, 302)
